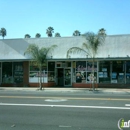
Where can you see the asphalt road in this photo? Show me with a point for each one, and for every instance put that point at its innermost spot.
(39, 110)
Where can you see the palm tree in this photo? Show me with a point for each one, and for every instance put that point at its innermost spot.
(40, 56)
(102, 31)
(57, 35)
(38, 35)
(76, 33)
(27, 36)
(3, 32)
(49, 31)
(90, 48)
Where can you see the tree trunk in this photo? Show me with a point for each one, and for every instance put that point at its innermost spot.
(93, 75)
(40, 74)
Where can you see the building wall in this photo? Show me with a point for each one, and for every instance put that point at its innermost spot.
(108, 74)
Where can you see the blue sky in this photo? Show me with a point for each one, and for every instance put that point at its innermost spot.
(21, 17)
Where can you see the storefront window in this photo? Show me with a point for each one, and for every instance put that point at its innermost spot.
(128, 72)
(74, 73)
(67, 76)
(90, 76)
(104, 72)
(7, 76)
(51, 71)
(80, 71)
(118, 69)
(90, 68)
(18, 72)
(12, 72)
(34, 75)
(81, 77)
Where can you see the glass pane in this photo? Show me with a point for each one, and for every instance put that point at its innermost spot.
(81, 77)
(51, 66)
(34, 77)
(51, 76)
(81, 66)
(18, 72)
(118, 72)
(90, 77)
(89, 66)
(7, 72)
(67, 76)
(128, 72)
(104, 72)
(34, 66)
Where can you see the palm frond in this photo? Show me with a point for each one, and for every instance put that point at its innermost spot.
(94, 41)
(88, 49)
(32, 50)
(75, 50)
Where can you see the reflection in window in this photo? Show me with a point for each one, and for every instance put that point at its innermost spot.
(12, 72)
(117, 72)
(18, 72)
(34, 74)
(104, 72)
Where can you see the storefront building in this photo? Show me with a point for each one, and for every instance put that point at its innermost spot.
(111, 68)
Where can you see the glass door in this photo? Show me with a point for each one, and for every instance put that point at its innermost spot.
(0, 76)
(67, 77)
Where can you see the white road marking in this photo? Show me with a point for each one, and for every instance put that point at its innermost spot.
(64, 106)
(64, 126)
(55, 100)
(127, 105)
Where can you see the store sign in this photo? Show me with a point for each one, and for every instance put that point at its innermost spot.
(91, 68)
(81, 68)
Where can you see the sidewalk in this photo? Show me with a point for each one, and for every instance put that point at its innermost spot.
(85, 90)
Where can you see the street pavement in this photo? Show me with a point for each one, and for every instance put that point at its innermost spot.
(55, 109)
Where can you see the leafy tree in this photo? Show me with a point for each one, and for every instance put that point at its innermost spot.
(40, 56)
(27, 36)
(3, 32)
(38, 35)
(49, 31)
(57, 35)
(90, 48)
(76, 33)
(102, 31)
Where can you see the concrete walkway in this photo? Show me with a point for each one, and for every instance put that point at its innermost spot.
(87, 90)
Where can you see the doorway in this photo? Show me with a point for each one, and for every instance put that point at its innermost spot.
(60, 77)
(0, 76)
(63, 77)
